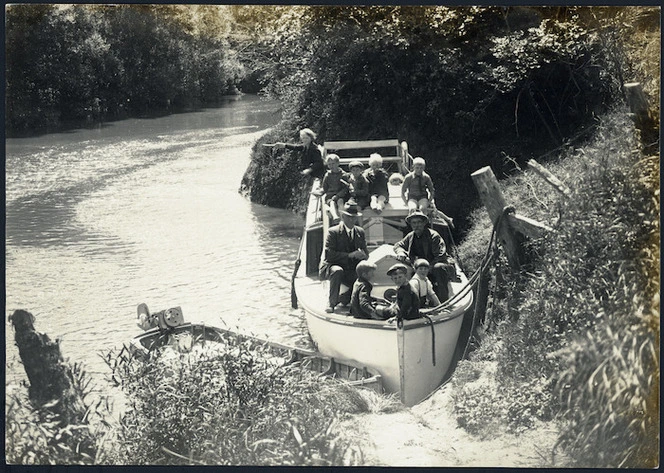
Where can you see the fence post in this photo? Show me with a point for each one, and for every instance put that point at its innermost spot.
(487, 186)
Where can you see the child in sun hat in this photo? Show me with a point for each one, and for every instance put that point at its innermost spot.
(417, 189)
(422, 285)
(358, 184)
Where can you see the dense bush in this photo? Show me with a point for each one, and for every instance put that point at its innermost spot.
(464, 85)
(86, 63)
(578, 330)
(232, 407)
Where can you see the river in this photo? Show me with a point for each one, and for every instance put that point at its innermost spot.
(146, 210)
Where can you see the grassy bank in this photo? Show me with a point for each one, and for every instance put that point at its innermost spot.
(575, 335)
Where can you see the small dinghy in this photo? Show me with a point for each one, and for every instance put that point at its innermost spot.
(167, 329)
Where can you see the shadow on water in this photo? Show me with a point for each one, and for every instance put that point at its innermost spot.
(74, 126)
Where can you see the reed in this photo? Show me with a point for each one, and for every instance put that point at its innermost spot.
(41, 436)
(233, 407)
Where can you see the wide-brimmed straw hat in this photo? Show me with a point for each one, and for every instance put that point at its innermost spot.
(351, 208)
(417, 214)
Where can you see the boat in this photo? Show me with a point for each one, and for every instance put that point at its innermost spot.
(166, 329)
(412, 356)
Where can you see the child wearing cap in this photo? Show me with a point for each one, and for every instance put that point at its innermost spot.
(362, 305)
(422, 285)
(358, 184)
(417, 189)
(407, 305)
(377, 178)
(335, 187)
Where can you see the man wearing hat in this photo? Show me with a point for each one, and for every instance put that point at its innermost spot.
(345, 247)
(427, 243)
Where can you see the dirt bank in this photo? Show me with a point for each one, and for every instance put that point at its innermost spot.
(427, 435)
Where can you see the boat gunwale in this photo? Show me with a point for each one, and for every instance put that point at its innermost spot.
(305, 353)
(349, 320)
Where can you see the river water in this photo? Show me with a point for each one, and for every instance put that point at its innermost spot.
(146, 210)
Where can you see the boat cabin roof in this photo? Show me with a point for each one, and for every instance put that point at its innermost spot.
(390, 150)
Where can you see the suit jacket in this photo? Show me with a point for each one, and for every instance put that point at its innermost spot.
(434, 247)
(337, 247)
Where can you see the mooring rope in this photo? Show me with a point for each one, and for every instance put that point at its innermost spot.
(433, 340)
(471, 284)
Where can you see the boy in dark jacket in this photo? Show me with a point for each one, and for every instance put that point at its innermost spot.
(407, 305)
(362, 305)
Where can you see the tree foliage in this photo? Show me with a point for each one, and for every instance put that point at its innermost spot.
(464, 85)
(78, 63)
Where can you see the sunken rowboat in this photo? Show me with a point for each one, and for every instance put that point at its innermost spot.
(413, 356)
(167, 330)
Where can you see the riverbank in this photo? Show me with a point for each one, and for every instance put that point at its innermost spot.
(428, 435)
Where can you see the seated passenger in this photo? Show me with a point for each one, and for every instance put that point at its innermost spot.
(377, 178)
(345, 247)
(362, 305)
(335, 187)
(417, 189)
(422, 285)
(427, 243)
(358, 184)
(407, 305)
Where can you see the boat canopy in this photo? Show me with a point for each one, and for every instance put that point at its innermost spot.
(390, 150)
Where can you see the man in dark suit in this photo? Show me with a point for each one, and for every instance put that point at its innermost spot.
(427, 243)
(345, 246)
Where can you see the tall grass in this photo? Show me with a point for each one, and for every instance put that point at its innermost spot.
(40, 435)
(233, 407)
(582, 336)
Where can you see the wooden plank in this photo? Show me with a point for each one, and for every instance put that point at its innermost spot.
(360, 144)
(492, 198)
(527, 226)
(548, 177)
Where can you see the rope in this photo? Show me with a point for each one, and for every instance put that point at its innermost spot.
(472, 282)
(433, 340)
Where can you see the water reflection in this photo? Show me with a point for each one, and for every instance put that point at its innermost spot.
(147, 211)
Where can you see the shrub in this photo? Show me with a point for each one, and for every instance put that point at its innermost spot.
(232, 407)
(582, 339)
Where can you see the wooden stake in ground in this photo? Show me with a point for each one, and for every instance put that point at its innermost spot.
(50, 378)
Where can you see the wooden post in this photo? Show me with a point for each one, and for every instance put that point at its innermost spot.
(492, 198)
(50, 378)
(637, 101)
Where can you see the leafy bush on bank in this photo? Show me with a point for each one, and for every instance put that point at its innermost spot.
(465, 86)
(232, 407)
(578, 329)
(88, 63)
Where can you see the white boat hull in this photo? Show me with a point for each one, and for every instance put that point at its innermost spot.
(412, 361)
(414, 371)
